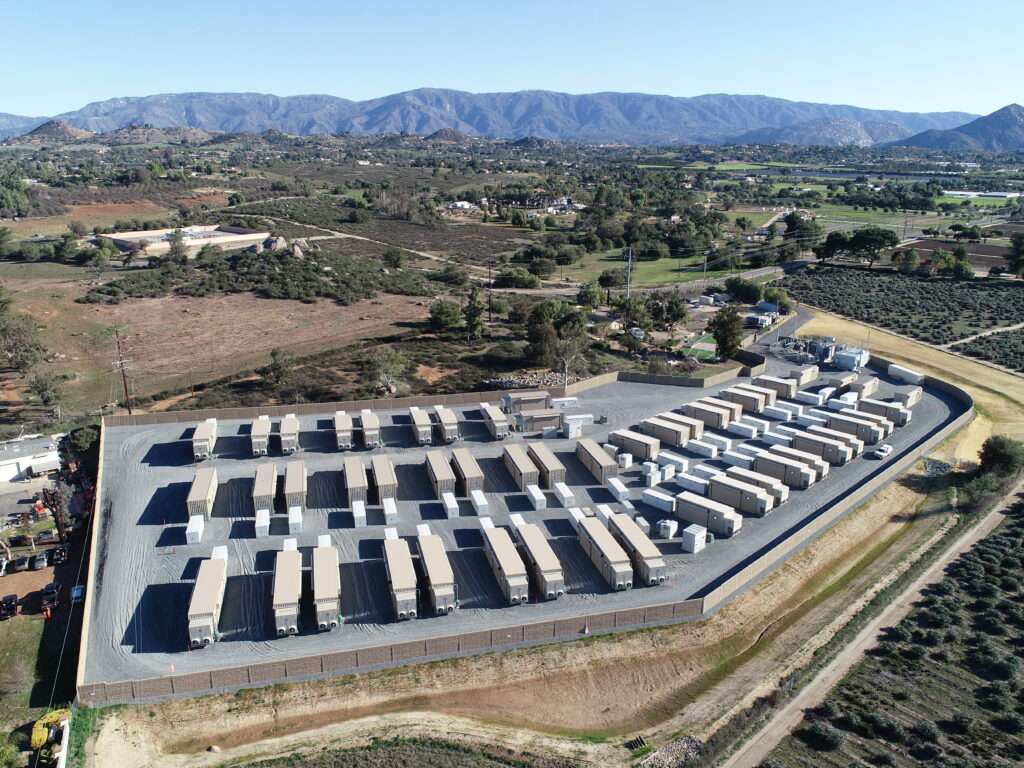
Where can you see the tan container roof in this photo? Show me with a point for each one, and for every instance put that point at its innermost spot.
(668, 424)
(545, 458)
(203, 485)
(520, 459)
(596, 452)
(435, 560)
(260, 427)
(505, 552)
(287, 578)
(438, 467)
(326, 575)
(369, 419)
(446, 415)
(467, 464)
(493, 413)
(205, 430)
(687, 421)
(383, 471)
(778, 457)
(207, 590)
(796, 454)
(295, 477)
(290, 425)
(540, 413)
(396, 553)
(637, 539)
(528, 396)
(751, 476)
(724, 405)
(342, 421)
(630, 434)
(740, 485)
(539, 548)
(705, 503)
(603, 540)
(266, 480)
(420, 418)
(355, 472)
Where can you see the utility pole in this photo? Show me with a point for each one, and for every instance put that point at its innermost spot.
(629, 268)
(122, 365)
(490, 305)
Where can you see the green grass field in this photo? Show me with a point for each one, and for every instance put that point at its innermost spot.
(658, 272)
(977, 202)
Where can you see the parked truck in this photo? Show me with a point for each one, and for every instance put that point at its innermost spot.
(207, 599)
(648, 562)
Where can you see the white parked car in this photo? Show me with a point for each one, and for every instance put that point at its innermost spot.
(882, 451)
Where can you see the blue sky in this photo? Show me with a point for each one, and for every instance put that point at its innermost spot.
(893, 54)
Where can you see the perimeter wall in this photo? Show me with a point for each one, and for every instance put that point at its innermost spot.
(376, 657)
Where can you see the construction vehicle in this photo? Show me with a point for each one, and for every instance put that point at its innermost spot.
(50, 598)
(50, 736)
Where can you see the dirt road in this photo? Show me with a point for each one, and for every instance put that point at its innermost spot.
(760, 745)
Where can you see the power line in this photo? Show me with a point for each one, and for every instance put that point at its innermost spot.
(122, 365)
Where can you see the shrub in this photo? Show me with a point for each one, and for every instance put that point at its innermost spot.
(821, 736)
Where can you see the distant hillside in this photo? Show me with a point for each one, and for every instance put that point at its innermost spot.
(57, 129)
(594, 118)
(16, 125)
(1002, 131)
(829, 132)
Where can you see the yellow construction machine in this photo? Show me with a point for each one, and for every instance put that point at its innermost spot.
(48, 736)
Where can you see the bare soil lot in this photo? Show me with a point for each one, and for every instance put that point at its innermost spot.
(90, 214)
(472, 243)
(170, 339)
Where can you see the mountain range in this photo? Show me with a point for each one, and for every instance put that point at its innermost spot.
(631, 118)
(1002, 131)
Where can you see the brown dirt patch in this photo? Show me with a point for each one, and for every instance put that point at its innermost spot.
(212, 199)
(173, 340)
(431, 374)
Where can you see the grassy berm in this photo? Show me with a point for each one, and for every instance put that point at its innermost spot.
(412, 753)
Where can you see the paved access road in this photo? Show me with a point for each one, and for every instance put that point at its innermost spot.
(789, 717)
